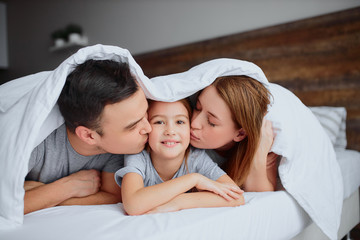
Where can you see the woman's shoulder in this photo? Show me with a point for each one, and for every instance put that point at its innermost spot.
(220, 160)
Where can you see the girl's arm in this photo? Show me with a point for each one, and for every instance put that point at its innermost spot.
(138, 199)
(200, 200)
(263, 172)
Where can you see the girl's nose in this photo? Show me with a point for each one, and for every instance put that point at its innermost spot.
(169, 132)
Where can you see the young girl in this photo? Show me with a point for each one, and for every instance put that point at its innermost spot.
(170, 168)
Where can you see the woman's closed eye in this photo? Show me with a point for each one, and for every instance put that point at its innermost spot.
(210, 123)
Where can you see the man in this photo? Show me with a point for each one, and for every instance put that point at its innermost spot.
(105, 115)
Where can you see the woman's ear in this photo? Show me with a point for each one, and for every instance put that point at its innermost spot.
(86, 135)
(241, 134)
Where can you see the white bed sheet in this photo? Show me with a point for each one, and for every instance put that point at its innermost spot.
(268, 215)
(349, 161)
(256, 220)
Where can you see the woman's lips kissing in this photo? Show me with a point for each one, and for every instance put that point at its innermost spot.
(193, 137)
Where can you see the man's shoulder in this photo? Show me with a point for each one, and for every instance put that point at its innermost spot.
(59, 134)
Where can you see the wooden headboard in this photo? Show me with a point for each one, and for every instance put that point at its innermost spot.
(318, 59)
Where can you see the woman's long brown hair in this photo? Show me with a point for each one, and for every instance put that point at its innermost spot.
(248, 100)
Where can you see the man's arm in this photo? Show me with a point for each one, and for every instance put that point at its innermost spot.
(80, 184)
(109, 193)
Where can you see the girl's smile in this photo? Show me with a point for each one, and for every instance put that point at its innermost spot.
(170, 143)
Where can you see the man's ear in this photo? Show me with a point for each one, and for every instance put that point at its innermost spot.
(86, 135)
(241, 134)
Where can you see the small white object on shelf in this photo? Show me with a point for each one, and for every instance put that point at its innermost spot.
(74, 41)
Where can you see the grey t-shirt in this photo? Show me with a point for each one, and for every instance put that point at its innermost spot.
(198, 162)
(55, 158)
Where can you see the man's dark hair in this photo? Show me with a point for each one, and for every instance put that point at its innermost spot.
(90, 87)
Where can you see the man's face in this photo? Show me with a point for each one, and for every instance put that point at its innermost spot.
(125, 126)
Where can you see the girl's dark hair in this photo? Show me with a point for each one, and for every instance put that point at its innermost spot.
(90, 87)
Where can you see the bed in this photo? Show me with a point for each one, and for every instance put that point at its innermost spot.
(269, 215)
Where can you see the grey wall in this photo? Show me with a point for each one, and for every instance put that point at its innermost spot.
(140, 25)
(3, 37)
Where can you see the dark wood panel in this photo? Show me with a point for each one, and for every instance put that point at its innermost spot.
(316, 58)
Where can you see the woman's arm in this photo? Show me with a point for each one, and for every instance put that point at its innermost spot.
(263, 172)
(203, 199)
(138, 199)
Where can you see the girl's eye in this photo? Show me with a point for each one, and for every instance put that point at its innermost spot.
(159, 122)
(210, 123)
(180, 122)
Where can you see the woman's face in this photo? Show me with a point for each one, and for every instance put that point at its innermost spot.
(212, 126)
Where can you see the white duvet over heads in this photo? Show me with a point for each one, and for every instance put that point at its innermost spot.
(308, 170)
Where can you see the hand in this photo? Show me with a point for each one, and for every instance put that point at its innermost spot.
(271, 160)
(267, 136)
(84, 182)
(265, 142)
(258, 179)
(225, 190)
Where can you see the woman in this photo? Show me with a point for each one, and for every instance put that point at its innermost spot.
(229, 118)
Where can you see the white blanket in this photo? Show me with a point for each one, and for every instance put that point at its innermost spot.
(308, 170)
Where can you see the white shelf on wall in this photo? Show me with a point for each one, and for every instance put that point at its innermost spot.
(82, 42)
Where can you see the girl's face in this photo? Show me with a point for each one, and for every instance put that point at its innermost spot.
(212, 126)
(170, 135)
